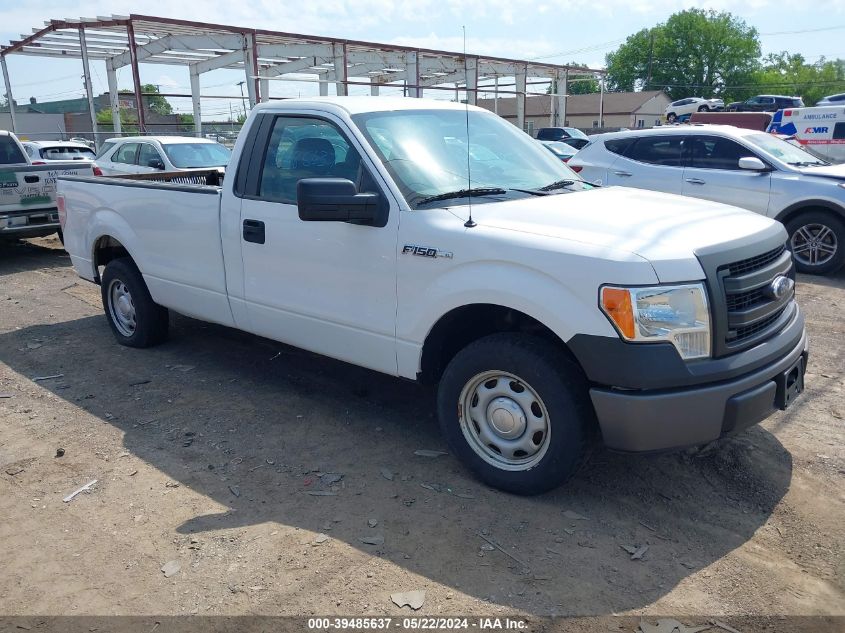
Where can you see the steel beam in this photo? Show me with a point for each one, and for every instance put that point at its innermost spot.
(195, 100)
(197, 43)
(89, 91)
(251, 69)
(221, 61)
(521, 77)
(9, 98)
(136, 78)
(471, 65)
(339, 59)
(114, 97)
(412, 70)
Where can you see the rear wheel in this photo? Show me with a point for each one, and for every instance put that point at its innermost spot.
(703, 108)
(817, 242)
(516, 412)
(135, 319)
(671, 117)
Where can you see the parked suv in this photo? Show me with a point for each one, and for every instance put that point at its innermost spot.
(832, 100)
(569, 135)
(765, 103)
(690, 105)
(745, 168)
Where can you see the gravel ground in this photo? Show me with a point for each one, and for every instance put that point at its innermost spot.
(269, 481)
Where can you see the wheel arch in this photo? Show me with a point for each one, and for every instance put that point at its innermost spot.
(105, 249)
(468, 323)
(804, 206)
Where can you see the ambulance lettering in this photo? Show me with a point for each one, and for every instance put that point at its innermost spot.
(816, 130)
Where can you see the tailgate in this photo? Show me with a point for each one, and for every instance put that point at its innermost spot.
(27, 188)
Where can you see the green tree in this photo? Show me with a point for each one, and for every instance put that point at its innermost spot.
(694, 53)
(579, 84)
(785, 73)
(152, 102)
(128, 120)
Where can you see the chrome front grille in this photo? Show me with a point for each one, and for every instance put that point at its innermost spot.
(744, 310)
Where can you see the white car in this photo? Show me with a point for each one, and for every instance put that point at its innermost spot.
(547, 309)
(832, 100)
(41, 152)
(690, 105)
(746, 168)
(146, 154)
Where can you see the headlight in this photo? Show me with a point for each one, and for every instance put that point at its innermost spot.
(677, 314)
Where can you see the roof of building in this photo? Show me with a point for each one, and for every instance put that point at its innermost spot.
(614, 103)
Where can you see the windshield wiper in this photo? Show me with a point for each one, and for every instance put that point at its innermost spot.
(809, 163)
(463, 193)
(557, 184)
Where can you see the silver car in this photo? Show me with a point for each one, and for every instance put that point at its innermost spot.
(832, 100)
(744, 168)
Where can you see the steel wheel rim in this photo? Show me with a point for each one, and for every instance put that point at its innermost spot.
(504, 420)
(121, 307)
(814, 244)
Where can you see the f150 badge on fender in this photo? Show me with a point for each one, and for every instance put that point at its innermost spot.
(425, 251)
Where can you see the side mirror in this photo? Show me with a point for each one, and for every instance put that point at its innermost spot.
(752, 163)
(155, 163)
(334, 200)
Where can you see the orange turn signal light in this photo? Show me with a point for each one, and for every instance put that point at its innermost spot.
(616, 303)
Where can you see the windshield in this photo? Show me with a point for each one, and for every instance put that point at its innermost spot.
(560, 149)
(427, 154)
(574, 132)
(196, 155)
(783, 151)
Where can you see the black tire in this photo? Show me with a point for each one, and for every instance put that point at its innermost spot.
(151, 320)
(671, 117)
(703, 108)
(810, 223)
(562, 390)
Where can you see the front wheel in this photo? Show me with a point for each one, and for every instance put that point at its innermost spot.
(516, 411)
(135, 319)
(817, 242)
(703, 108)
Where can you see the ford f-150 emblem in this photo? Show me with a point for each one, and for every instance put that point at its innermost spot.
(779, 288)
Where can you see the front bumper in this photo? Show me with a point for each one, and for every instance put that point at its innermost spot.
(654, 420)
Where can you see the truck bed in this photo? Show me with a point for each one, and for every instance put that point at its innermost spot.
(172, 229)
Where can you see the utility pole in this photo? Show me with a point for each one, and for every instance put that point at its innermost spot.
(650, 57)
(243, 99)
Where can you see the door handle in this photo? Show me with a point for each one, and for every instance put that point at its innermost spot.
(624, 174)
(31, 178)
(254, 231)
(695, 181)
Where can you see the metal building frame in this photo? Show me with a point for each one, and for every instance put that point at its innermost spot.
(265, 55)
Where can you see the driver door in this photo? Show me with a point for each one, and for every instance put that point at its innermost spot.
(329, 287)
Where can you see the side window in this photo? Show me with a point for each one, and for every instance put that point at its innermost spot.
(126, 154)
(619, 145)
(10, 152)
(657, 150)
(838, 98)
(839, 132)
(148, 153)
(713, 152)
(300, 148)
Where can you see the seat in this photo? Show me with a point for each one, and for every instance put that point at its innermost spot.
(313, 156)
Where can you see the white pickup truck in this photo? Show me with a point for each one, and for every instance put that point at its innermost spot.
(435, 242)
(28, 192)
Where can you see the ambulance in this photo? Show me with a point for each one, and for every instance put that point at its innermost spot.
(821, 130)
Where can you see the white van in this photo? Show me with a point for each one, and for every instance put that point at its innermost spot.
(820, 129)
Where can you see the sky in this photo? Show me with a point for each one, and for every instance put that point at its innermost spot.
(581, 31)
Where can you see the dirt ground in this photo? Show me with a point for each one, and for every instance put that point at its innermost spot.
(231, 455)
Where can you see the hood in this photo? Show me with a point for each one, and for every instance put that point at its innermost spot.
(831, 171)
(664, 229)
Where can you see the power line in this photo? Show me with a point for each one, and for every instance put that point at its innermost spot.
(819, 30)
